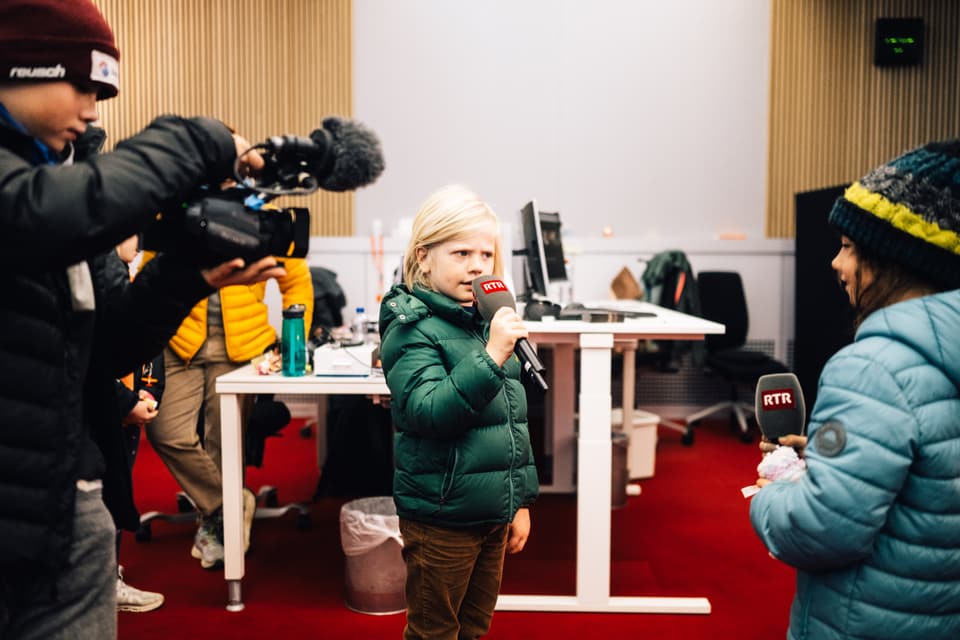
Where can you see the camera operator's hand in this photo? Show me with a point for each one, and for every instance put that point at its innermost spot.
(250, 163)
(237, 272)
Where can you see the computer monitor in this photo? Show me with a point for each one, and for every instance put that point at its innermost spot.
(543, 249)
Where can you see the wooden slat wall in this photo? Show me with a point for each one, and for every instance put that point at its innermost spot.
(833, 115)
(267, 67)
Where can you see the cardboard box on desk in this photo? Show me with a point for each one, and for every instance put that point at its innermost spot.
(357, 361)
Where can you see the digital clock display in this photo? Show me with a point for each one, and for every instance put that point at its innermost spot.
(899, 42)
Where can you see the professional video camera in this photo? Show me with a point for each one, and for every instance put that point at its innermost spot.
(218, 225)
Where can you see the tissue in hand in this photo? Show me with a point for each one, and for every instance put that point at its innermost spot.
(782, 463)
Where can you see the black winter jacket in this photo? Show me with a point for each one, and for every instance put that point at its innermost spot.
(60, 358)
(118, 442)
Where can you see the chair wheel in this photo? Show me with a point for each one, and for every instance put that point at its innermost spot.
(746, 437)
(687, 438)
(144, 532)
(303, 521)
(270, 498)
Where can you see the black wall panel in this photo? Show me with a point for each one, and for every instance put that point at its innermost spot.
(824, 319)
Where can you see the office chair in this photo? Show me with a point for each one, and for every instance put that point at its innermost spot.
(267, 417)
(722, 300)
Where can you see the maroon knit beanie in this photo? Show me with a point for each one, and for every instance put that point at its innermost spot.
(48, 40)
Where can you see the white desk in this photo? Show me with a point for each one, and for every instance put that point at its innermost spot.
(232, 387)
(591, 448)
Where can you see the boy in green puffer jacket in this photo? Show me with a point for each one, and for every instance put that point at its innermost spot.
(464, 473)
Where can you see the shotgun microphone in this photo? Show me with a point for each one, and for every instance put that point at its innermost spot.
(491, 295)
(779, 406)
(342, 155)
(355, 156)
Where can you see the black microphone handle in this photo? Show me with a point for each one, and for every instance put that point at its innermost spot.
(527, 355)
(531, 363)
(538, 379)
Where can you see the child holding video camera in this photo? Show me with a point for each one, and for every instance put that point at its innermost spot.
(65, 334)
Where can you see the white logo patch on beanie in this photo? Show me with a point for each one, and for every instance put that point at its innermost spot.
(104, 68)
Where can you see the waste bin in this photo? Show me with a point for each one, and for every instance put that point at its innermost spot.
(641, 454)
(618, 469)
(375, 573)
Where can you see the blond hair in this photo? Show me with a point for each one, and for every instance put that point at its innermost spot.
(449, 213)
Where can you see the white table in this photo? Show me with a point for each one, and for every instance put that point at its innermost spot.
(591, 448)
(232, 387)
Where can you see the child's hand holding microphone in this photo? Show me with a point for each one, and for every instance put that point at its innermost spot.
(506, 327)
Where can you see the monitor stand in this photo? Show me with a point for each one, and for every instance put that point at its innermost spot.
(537, 308)
(560, 292)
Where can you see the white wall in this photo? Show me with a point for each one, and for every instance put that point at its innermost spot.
(647, 116)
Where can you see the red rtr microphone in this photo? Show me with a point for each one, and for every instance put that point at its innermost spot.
(779, 406)
(491, 295)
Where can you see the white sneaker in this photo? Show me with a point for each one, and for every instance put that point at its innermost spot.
(133, 599)
(208, 542)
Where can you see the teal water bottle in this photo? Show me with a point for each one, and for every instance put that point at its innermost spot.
(293, 349)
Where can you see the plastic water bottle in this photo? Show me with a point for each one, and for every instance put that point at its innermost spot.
(293, 348)
(359, 326)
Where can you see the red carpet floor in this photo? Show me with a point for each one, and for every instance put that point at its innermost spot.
(687, 534)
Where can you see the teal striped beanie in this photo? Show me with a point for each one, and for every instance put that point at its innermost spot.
(908, 211)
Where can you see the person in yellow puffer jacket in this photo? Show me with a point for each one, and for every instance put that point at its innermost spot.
(222, 333)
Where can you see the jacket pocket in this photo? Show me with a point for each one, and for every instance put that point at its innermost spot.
(450, 474)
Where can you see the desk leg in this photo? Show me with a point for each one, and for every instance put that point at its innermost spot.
(629, 385)
(231, 443)
(559, 419)
(593, 505)
(593, 470)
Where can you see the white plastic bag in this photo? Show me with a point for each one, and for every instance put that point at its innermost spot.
(367, 523)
